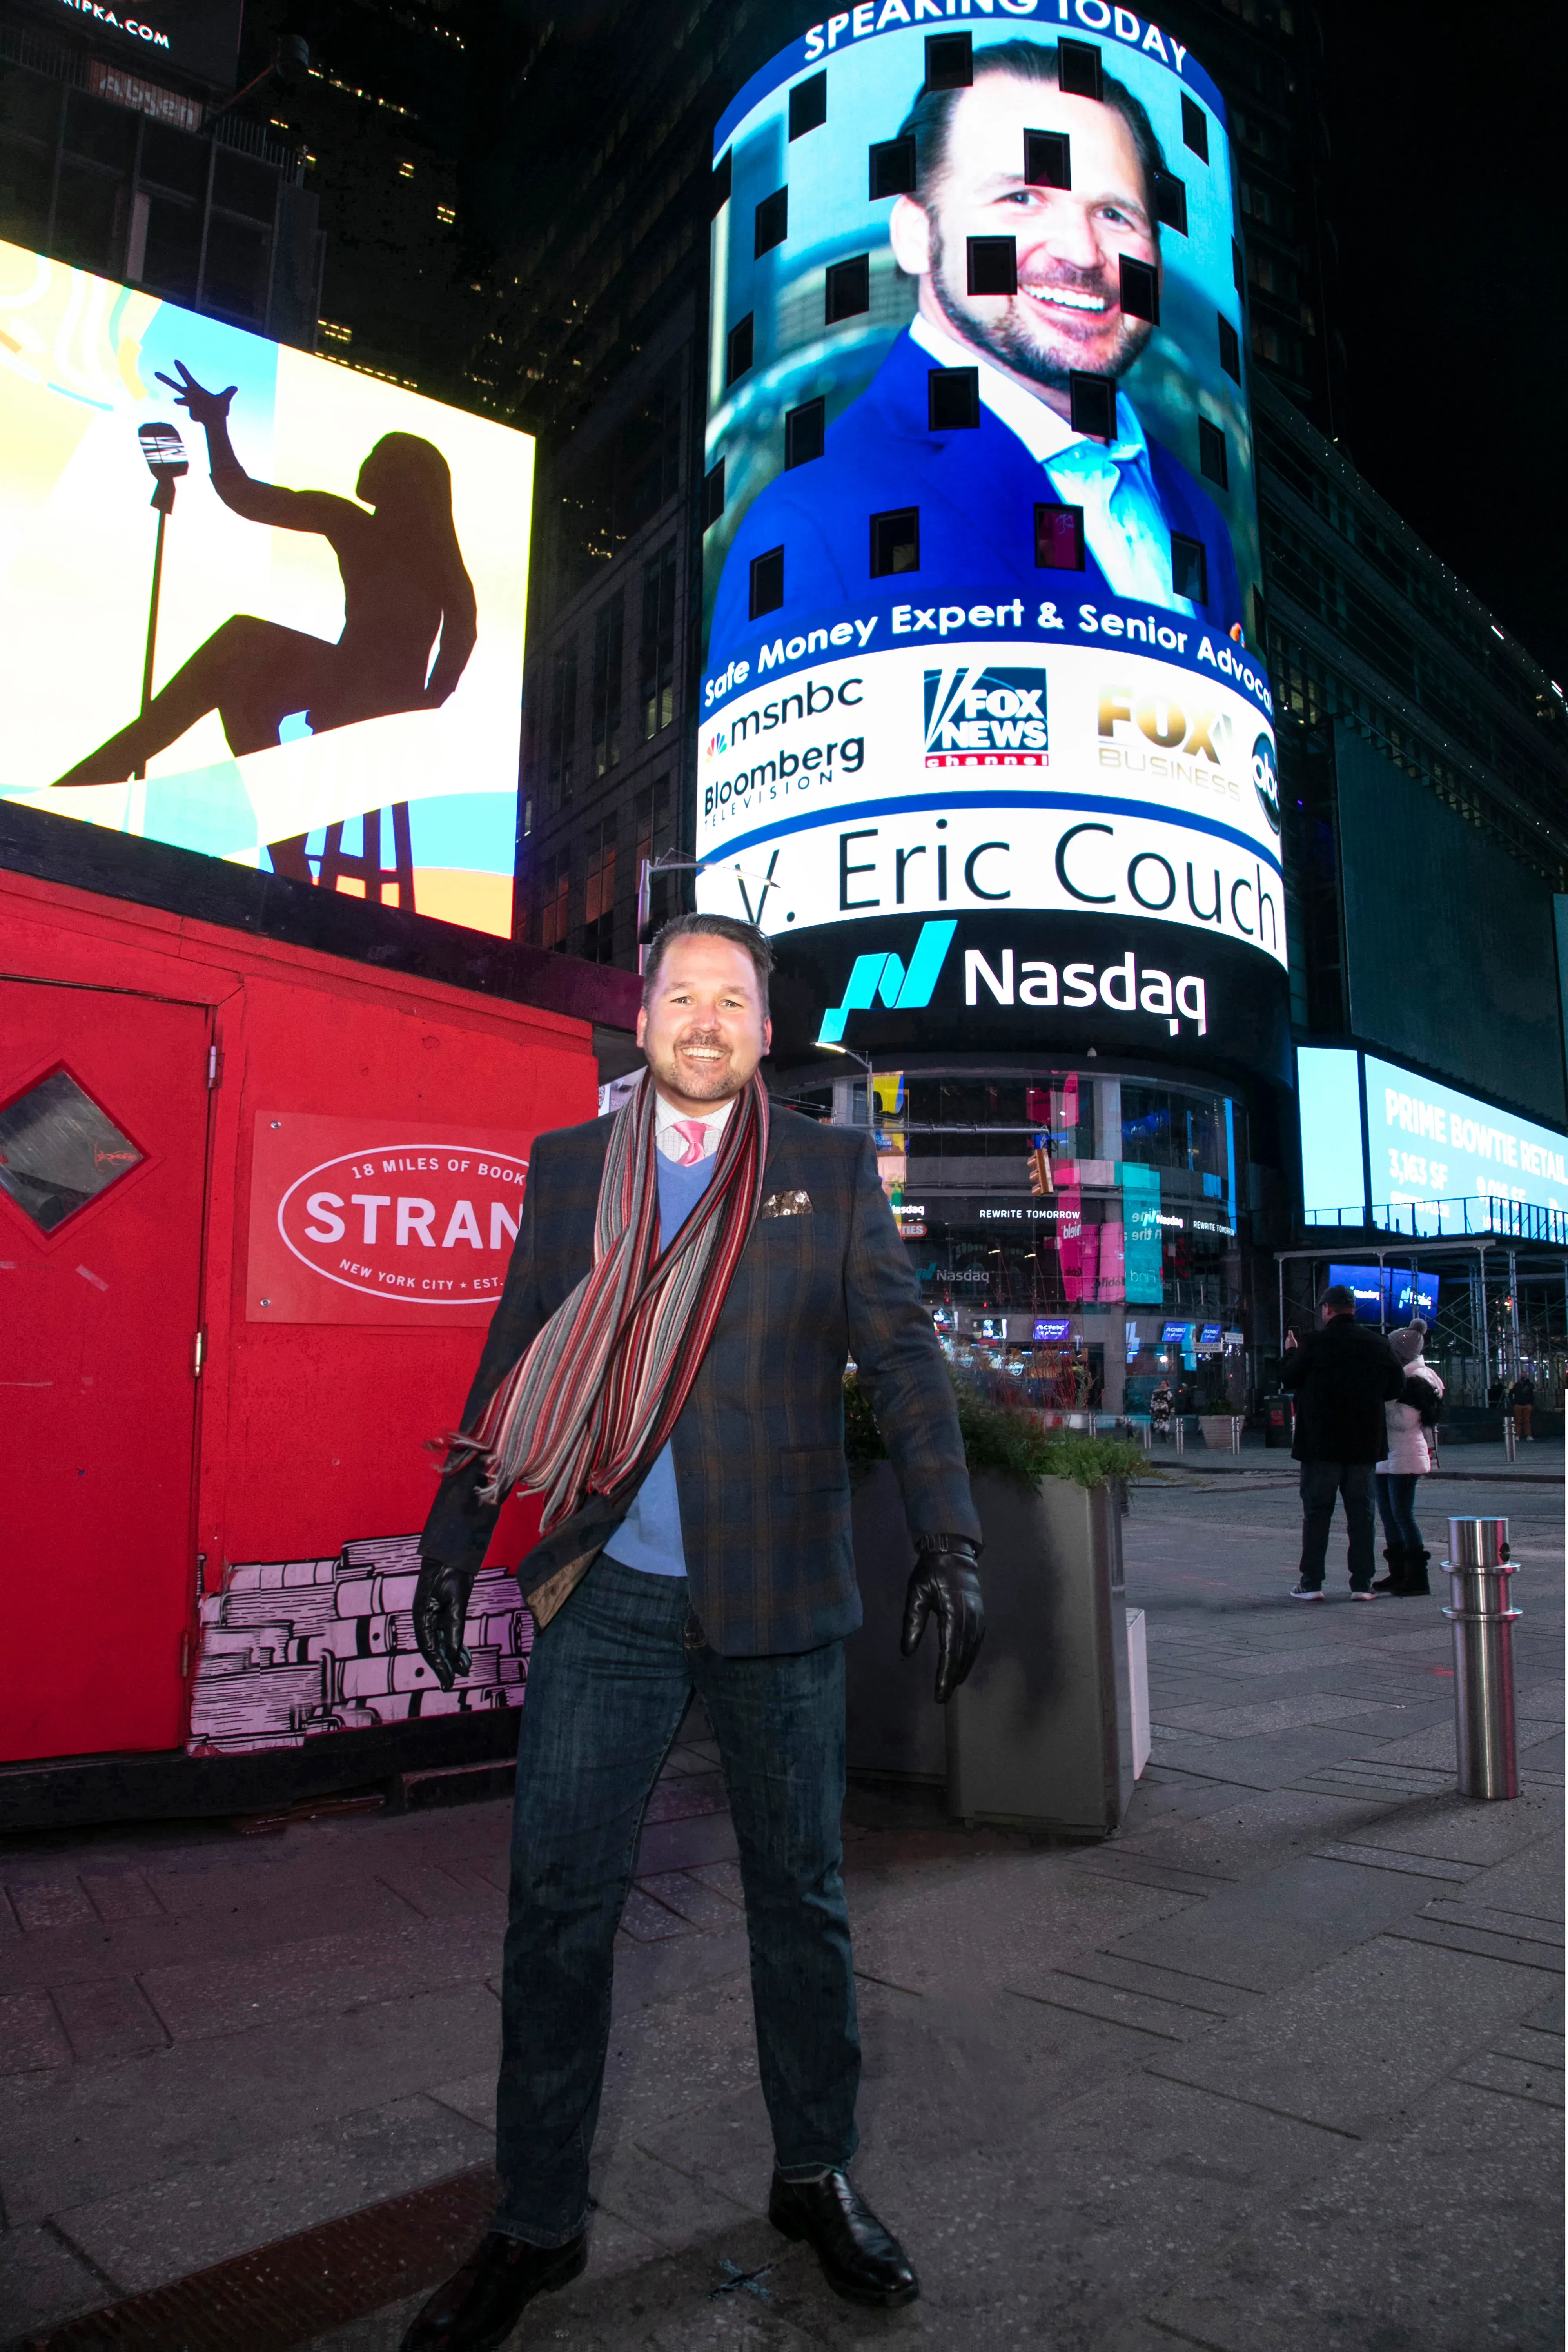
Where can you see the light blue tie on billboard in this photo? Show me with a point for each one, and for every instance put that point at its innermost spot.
(884, 975)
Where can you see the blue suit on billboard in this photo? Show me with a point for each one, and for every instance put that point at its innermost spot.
(976, 489)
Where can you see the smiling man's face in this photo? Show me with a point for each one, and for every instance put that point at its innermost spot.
(1067, 313)
(703, 1029)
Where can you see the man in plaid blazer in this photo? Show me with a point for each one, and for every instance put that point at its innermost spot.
(730, 1571)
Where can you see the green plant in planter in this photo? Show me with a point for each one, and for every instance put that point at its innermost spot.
(999, 1443)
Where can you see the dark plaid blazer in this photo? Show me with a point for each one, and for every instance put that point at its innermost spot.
(759, 1448)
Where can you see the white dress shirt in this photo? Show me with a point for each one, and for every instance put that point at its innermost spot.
(673, 1145)
(1125, 525)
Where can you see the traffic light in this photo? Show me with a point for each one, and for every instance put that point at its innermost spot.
(1040, 1170)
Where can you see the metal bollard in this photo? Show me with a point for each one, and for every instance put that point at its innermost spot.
(1478, 1564)
(1180, 1427)
(1510, 1438)
(1236, 1428)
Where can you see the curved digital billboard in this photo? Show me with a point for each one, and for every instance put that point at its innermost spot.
(985, 734)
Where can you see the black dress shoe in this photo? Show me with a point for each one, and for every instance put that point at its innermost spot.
(479, 2306)
(860, 2259)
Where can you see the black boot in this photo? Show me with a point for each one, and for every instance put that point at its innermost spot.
(1396, 1556)
(860, 2259)
(479, 2307)
(1412, 1584)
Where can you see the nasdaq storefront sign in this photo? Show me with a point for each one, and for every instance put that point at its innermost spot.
(980, 544)
(1012, 979)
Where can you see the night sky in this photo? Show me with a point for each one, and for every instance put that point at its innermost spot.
(1448, 191)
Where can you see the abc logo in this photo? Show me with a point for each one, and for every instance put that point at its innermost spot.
(1265, 781)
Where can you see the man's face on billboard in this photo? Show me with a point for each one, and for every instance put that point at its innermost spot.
(1067, 313)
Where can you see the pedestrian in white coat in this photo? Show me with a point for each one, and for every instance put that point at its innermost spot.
(1410, 1419)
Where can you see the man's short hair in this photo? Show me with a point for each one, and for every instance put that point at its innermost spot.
(713, 927)
(1340, 1298)
(930, 119)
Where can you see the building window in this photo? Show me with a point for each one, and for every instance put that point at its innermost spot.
(738, 348)
(847, 290)
(767, 582)
(1140, 290)
(771, 225)
(554, 898)
(1189, 568)
(605, 685)
(807, 105)
(655, 836)
(561, 730)
(1195, 128)
(993, 264)
(895, 542)
(1047, 159)
(1171, 202)
(1230, 351)
(1093, 405)
(1212, 458)
(805, 432)
(1078, 69)
(599, 893)
(950, 61)
(1058, 538)
(953, 399)
(894, 169)
(656, 673)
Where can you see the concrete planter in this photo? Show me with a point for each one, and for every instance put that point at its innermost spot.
(1040, 1736)
(1216, 1428)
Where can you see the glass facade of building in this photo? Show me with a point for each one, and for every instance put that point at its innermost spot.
(1077, 1229)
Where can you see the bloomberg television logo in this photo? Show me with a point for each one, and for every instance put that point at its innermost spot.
(1046, 698)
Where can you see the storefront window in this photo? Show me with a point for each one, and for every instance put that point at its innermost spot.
(1076, 1232)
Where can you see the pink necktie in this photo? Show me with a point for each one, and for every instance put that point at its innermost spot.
(693, 1131)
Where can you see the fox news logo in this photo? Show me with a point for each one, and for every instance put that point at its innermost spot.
(981, 718)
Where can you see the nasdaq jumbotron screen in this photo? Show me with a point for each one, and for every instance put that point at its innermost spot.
(248, 596)
(985, 734)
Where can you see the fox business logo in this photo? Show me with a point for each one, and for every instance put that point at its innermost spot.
(981, 718)
(1162, 722)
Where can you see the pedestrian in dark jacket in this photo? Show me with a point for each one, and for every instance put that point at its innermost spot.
(1522, 1404)
(1343, 1377)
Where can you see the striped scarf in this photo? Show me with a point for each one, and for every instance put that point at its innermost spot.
(596, 1396)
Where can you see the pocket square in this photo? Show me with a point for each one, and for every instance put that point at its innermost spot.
(786, 1204)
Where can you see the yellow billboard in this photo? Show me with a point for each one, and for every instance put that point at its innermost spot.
(257, 604)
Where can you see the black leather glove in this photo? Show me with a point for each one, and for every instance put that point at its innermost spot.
(944, 1585)
(440, 1605)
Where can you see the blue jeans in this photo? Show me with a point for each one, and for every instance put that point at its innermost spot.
(1396, 1507)
(607, 1686)
(1321, 1483)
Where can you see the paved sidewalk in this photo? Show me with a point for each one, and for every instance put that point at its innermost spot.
(1279, 2066)
(1538, 1462)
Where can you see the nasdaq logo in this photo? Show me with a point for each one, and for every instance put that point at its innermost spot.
(977, 716)
(882, 977)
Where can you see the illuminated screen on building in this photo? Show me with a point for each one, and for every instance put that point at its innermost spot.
(251, 598)
(982, 707)
(1426, 1144)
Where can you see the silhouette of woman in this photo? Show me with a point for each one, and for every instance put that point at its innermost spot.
(403, 582)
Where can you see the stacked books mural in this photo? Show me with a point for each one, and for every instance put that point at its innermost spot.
(293, 1648)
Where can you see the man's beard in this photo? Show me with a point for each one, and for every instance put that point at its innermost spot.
(1008, 339)
(714, 1084)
